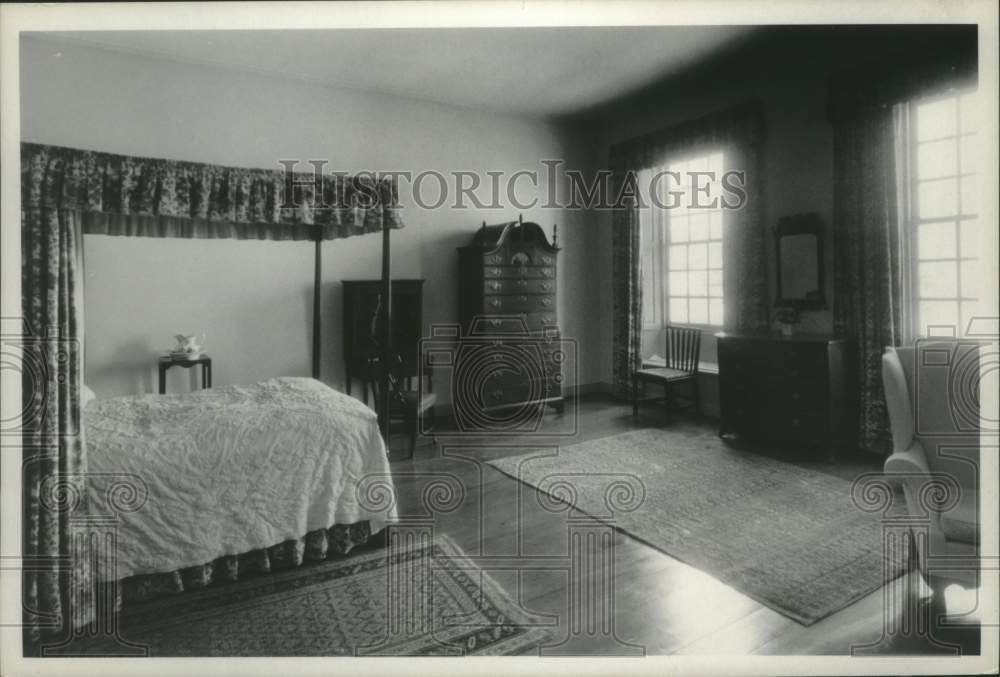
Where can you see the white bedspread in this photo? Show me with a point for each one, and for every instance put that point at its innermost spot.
(232, 469)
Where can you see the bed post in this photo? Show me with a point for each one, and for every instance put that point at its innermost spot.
(386, 338)
(317, 284)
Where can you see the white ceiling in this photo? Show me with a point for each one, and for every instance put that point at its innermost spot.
(530, 71)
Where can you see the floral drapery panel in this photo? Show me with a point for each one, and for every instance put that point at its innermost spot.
(869, 233)
(738, 132)
(626, 285)
(869, 108)
(55, 596)
(124, 195)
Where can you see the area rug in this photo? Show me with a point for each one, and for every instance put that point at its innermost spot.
(426, 598)
(789, 537)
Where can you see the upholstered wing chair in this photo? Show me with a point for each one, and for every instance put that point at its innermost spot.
(931, 390)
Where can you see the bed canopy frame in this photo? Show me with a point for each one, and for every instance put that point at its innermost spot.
(146, 197)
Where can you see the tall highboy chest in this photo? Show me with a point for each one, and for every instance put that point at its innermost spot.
(508, 295)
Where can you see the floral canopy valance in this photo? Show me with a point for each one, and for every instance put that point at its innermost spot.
(125, 195)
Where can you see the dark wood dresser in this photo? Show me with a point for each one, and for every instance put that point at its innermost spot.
(792, 390)
(508, 295)
(361, 300)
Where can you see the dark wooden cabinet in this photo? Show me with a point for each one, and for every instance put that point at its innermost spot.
(361, 302)
(787, 389)
(508, 294)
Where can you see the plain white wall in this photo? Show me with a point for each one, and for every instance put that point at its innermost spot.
(252, 300)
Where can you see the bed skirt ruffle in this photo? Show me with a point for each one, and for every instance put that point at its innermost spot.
(316, 546)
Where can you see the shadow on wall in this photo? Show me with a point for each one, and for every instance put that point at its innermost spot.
(135, 364)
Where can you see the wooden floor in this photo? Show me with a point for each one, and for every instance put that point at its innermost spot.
(655, 603)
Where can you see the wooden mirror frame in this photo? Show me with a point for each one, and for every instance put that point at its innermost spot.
(801, 224)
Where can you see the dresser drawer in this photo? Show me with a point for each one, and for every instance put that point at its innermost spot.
(507, 387)
(514, 303)
(520, 286)
(520, 272)
(520, 257)
(515, 323)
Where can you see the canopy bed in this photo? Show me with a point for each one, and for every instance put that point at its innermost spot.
(248, 477)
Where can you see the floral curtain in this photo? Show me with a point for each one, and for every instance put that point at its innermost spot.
(626, 283)
(739, 132)
(53, 462)
(124, 195)
(869, 108)
(869, 271)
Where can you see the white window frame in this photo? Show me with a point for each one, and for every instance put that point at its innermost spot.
(963, 215)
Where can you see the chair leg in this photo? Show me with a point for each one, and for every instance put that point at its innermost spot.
(669, 401)
(697, 396)
(635, 397)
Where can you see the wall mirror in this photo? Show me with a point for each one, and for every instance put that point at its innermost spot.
(799, 242)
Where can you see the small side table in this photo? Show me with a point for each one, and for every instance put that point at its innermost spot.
(167, 361)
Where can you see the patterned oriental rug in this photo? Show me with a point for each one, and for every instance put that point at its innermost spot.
(789, 537)
(426, 598)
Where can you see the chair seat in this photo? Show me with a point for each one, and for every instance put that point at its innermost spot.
(960, 523)
(414, 401)
(664, 374)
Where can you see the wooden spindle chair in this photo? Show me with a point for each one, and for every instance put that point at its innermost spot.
(681, 357)
(406, 404)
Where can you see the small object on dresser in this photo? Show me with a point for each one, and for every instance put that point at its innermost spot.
(187, 347)
(788, 317)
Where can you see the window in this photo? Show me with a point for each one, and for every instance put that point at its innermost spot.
(945, 279)
(682, 246)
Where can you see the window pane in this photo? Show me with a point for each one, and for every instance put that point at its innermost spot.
(939, 314)
(648, 305)
(715, 311)
(970, 154)
(715, 164)
(698, 283)
(698, 164)
(678, 257)
(678, 284)
(715, 255)
(969, 237)
(678, 229)
(969, 310)
(715, 283)
(938, 279)
(937, 159)
(699, 311)
(677, 203)
(698, 256)
(968, 112)
(970, 196)
(715, 225)
(699, 226)
(970, 279)
(936, 240)
(937, 198)
(678, 310)
(936, 119)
